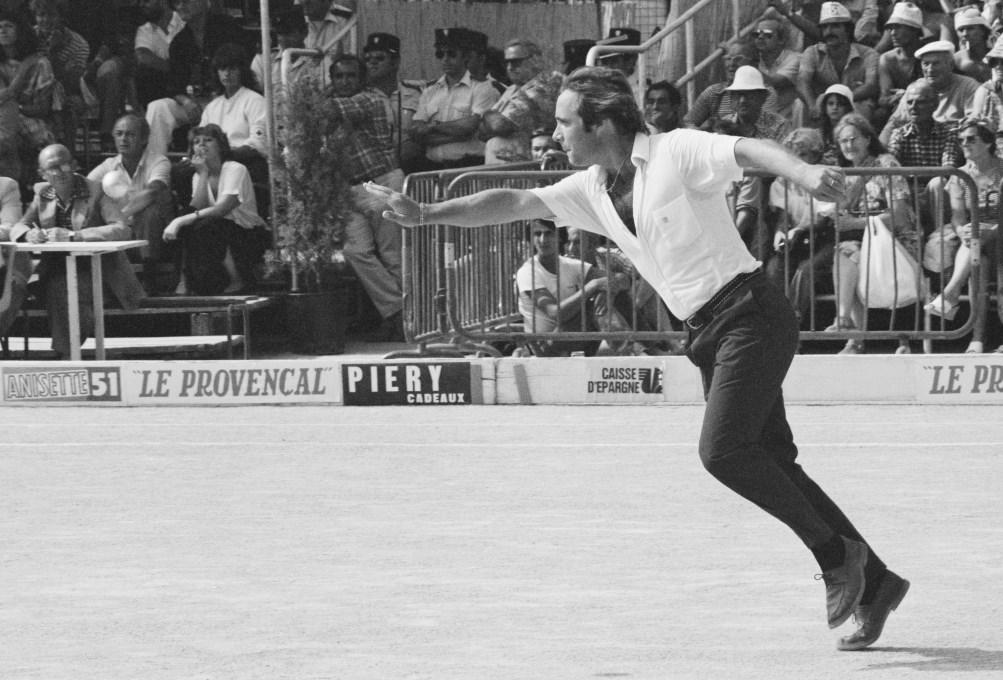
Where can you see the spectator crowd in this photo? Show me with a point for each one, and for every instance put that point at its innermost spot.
(170, 94)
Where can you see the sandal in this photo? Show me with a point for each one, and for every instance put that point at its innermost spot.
(842, 323)
(941, 307)
(852, 347)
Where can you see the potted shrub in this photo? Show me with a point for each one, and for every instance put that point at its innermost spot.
(312, 201)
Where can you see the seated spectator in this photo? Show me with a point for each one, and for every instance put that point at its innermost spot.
(108, 30)
(868, 197)
(900, 66)
(68, 53)
(662, 107)
(978, 140)
(837, 101)
(838, 60)
(190, 77)
(220, 239)
(450, 109)
(779, 65)
(10, 214)
(28, 96)
(554, 290)
(716, 101)
(990, 93)
(152, 46)
(239, 111)
(541, 142)
(973, 37)
(136, 188)
(381, 55)
(803, 235)
(67, 207)
(955, 92)
(527, 104)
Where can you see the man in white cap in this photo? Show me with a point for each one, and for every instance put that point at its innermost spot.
(838, 60)
(716, 102)
(973, 37)
(955, 92)
(900, 66)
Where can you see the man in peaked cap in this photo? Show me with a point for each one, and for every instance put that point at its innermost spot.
(621, 61)
(479, 59)
(381, 54)
(837, 59)
(955, 92)
(450, 109)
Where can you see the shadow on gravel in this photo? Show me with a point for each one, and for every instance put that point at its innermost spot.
(943, 659)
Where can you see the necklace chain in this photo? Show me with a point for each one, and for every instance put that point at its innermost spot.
(616, 178)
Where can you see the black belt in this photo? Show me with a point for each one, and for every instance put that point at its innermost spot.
(707, 313)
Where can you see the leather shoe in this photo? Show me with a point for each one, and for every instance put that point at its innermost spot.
(844, 585)
(871, 617)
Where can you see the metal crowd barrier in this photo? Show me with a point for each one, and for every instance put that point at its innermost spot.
(460, 283)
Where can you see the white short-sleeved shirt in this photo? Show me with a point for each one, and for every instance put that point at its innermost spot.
(534, 276)
(440, 102)
(10, 205)
(150, 36)
(119, 186)
(233, 180)
(241, 117)
(687, 246)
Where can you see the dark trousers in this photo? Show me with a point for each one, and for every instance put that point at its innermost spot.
(205, 245)
(743, 355)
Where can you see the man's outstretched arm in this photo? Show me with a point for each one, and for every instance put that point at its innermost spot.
(826, 183)
(492, 206)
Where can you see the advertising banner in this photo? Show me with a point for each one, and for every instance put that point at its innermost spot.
(624, 381)
(61, 383)
(411, 384)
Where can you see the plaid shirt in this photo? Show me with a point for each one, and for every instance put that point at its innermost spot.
(912, 148)
(369, 138)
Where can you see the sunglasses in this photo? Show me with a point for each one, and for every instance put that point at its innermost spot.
(375, 57)
(763, 34)
(515, 63)
(452, 54)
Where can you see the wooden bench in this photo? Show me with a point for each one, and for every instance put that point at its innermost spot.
(202, 309)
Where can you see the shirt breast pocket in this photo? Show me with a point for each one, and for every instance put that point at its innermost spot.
(676, 223)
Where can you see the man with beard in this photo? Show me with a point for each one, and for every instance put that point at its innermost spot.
(900, 66)
(838, 60)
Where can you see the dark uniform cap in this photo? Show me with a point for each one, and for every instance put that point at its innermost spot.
(576, 50)
(382, 42)
(633, 36)
(451, 37)
(476, 41)
(289, 21)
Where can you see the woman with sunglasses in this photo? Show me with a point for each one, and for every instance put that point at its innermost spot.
(978, 143)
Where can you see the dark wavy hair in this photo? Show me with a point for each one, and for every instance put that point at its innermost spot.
(27, 40)
(605, 94)
(229, 55)
(216, 132)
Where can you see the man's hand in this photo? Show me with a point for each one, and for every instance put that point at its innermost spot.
(36, 235)
(825, 183)
(59, 234)
(403, 210)
(172, 230)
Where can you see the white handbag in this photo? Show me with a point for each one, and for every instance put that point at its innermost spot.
(888, 272)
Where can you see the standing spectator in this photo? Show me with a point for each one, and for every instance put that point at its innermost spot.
(955, 92)
(900, 66)
(190, 78)
(478, 58)
(290, 31)
(716, 102)
(837, 101)
(152, 47)
(624, 62)
(662, 104)
(67, 207)
(779, 66)
(973, 37)
(28, 95)
(325, 21)
(868, 197)
(838, 60)
(527, 104)
(136, 186)
(381, 54)
(450, 109)
(372, 243)
(219, 240)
